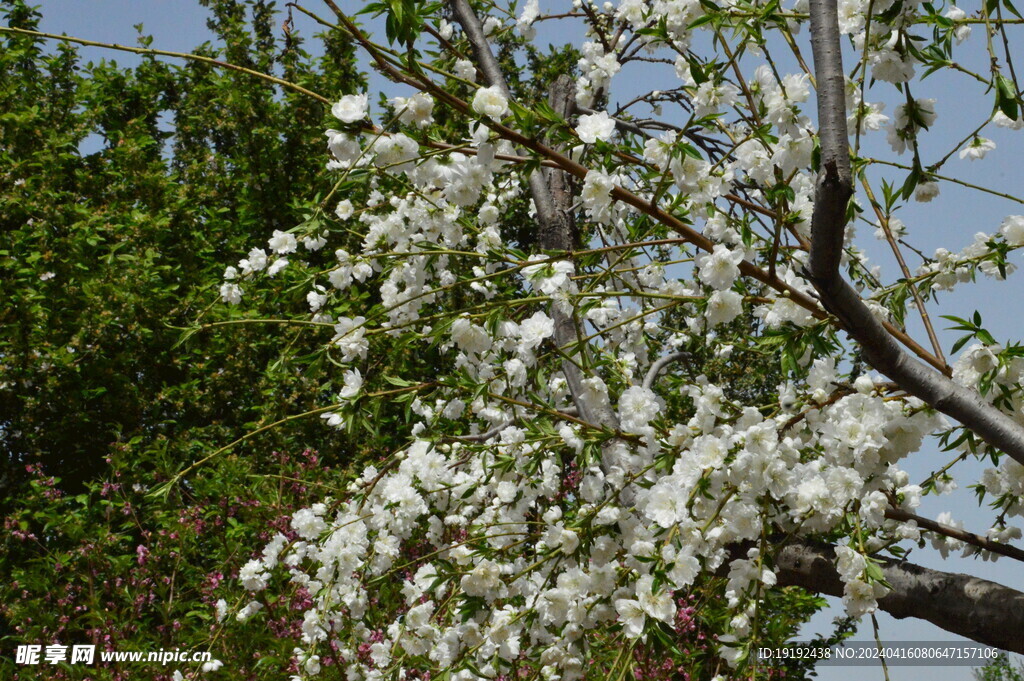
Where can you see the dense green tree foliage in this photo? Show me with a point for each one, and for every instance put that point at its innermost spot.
(123, 191)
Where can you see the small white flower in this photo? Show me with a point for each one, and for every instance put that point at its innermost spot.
(249, 610)
(415, 110)
(1012, 230)
(252, 576)
(282, 242)
(977, 149)
(597, 193)
(344, 148)
(230, 293)
(314, 243)
(344, 210)
(490, 102)
(637, 406)
(597, 126)
(256, 261)
(277, 266)
(212, 666)
(350, 108)
(353, 384)
(632, 616)
(333, 420)
(316, 298)
(723, 307)
(926, 191)
(1003, 121)
(719, 268)
(534, 330)
(465, 70)
(963, 31)
(307, 524)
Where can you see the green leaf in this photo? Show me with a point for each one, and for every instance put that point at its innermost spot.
(1006, 97)
(874, 572)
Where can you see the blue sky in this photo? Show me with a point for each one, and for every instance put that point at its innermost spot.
(949, 221)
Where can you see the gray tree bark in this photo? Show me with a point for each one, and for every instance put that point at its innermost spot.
(833, 191)
(974, 608)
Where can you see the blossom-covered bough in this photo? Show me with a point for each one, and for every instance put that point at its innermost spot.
(654, 368)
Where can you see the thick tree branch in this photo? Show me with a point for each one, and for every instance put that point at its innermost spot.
(833, 192)
(975, 608)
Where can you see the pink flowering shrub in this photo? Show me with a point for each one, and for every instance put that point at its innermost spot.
(128, 571)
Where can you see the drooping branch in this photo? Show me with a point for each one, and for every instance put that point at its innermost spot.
(165, 53)
(833, 191)
(977, 609)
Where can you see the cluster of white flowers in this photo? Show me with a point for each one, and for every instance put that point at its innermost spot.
(509, 527)
(593, 556)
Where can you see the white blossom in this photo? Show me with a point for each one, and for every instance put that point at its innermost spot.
(596, 126)
(490, 102)
(350, 108)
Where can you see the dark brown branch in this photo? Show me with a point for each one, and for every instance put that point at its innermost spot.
(833, 192)
(956, 533)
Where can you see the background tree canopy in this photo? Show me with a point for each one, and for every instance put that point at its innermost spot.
(125, 192)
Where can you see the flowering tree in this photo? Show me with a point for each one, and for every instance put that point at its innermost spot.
(578, 462)
(640, 367)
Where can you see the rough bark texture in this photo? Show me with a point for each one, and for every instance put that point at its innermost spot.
(558, 230)
(833, 192)
(975, 608)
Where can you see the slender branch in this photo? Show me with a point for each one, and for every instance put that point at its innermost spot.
(833, 191)
(166, 53)
(485, 436)
(956, 533)
(883, 221)
(945, 178)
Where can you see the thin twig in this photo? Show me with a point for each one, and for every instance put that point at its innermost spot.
(883, 220)
(956, 533)
(167, 53)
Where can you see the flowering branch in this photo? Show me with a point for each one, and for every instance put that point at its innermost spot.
(552, 198)
(956, 533)
(833, 192)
